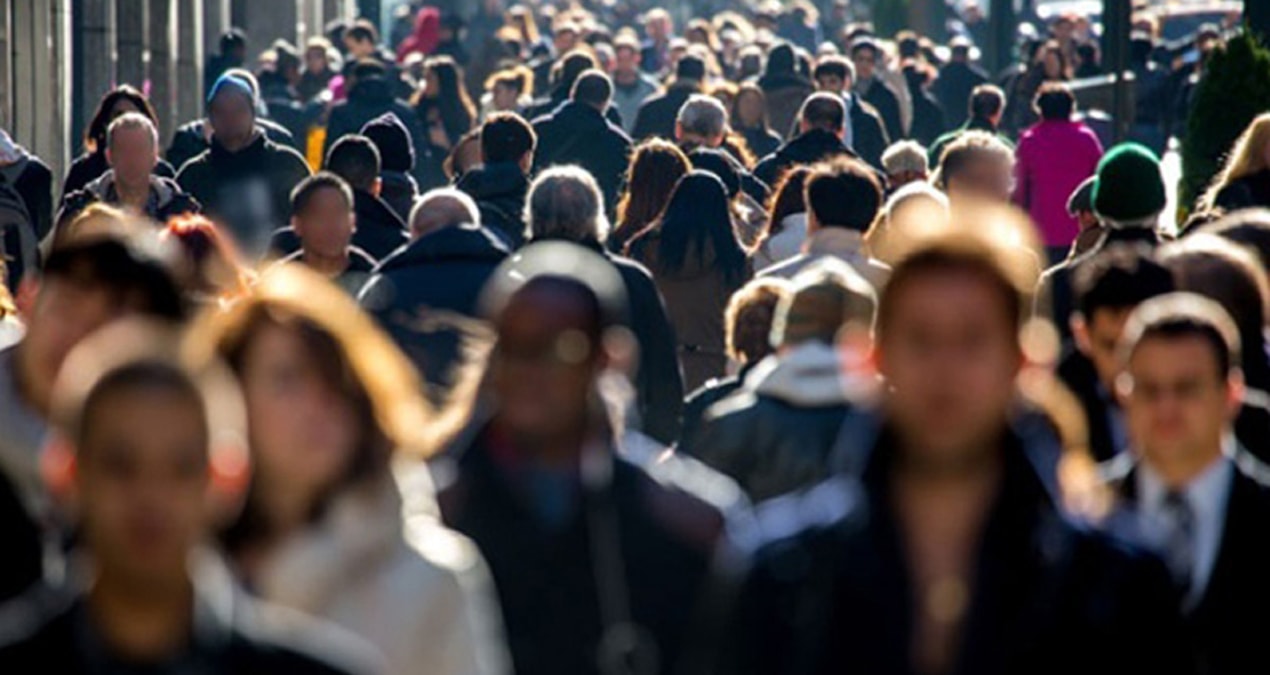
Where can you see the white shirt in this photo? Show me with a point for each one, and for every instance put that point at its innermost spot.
(1207, 495)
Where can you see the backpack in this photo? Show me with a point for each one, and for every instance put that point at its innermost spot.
(21, 248)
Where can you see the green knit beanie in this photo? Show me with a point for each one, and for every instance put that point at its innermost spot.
(1129, 189)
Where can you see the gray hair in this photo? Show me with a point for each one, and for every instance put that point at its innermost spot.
(442, 207)
(703, 116)
(565, 202)
(131, 121)
(905, 156)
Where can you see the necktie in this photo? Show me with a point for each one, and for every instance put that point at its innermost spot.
(1180, 544)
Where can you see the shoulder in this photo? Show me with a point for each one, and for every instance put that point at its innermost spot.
(287, 156)
(198, 164)
(33, 623)
(284, 640)
(687, 501)
(802, 522)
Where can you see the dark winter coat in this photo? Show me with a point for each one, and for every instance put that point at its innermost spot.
(499, 192)
(762, 140)
(167, 200)
(869, 139)
(33, 181)
(190, 140)
(807, 148)
(785, 94)
(399, 190)
(657, 115)
(578, 134)
(1245, 193)
(89, 166)
(880, 96)
(367, 100)
(956, 81)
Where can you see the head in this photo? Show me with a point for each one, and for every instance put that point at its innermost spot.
(440, 208)
(508, 86)
(464, 156)
(976, 167)
(749, 316)
(823, 111)
(322, 215)
(658, 25)
(1250, 154)
(865, 54)
(1080, 205)
(231, 110)
(749, 109)
(842, 193)
(132, 149)
(1052, 61)
(825, 301)
(1249, 228)
(233, 45)
(288, 60)
(908, 213)
(1055, 102)
(626, 56)
(697, 224)
(593, 88)
(565, 37)
(702, 121)
(565, 203)
(361, 39)
(392, 140)
(355, 159)
(118, 101)
(834, 74)
(507, 137)
(1181, 385)
(1129, 189)
(656, 167)
(987, 103)
(317, 55)
(904, 162)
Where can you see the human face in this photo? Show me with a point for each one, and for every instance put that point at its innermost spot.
(325, 227)
(1177, 402)
(829, 83)
(565, 41)
(626, 61)
(658, 29)
(132, 154)
(1098, 338)
(303, 431)
(233, 120)
(950, 356)
(358, 49)
(315, 60)
(142, 486)
(749, 110)
(504, 97)
(983, 178)
(866, 61)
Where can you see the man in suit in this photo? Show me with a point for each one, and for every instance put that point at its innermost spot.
(1188, 488)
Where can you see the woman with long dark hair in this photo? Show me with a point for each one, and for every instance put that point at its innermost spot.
(89, 166)
(656, 167)
(697, 262)
(443, 104)
(749, 118)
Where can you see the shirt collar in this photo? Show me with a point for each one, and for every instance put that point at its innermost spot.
(1205, 494)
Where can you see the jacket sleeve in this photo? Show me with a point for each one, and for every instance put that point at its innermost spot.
(660, 390)
(1022, 172)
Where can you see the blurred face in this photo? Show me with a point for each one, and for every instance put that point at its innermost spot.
(950, 356)
(1053, 65)
(749, 109)
(1098, 338)
(504, 97)
(986, 177)
(315, 60)
(358, 49)
(565, 41)
(658, 28)
(232, 118)
(142, 486)
(303, 430)
(1176, 401)
(866, 61)
(132, 154)
(830, 83)
(626, 61)
(325, 227)
(1063, 30)
(432, 87)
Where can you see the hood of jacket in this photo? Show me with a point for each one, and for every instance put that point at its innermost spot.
(810, 375)
(372, 91)
(579, 118)
(374, 211)
(812, 147)
(253, 157)
(495, 182)
(456, 243)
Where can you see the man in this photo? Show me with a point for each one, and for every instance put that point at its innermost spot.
(987, 105)
(86, 283)
(425, 295)
(243, 180)
(1188, 487)
(149, 600)
(631, 87)
(396, 162)
(866, 54)
(657, 115)
(361, 41)
(132, 150)
(1107, 288)
(564, 204)
(949, 554)
(659, 28)
(323, 220)
(776, 434)
(976, 168)
(702, 122)
(864, 133)
(499, 184)
(820, 125)
(618, 555)
(232, 54)
(371, 95)
(843, 198)
(904, 162)
(957, 81)
(192, 138)
(577, 133)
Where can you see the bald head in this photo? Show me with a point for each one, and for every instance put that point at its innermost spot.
(441, 208)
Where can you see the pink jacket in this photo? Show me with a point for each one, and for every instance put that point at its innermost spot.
(1052, 159)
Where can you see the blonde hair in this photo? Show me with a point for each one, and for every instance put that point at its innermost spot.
(1247, 156)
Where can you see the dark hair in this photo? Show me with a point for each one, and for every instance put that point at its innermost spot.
(1183, 315)
(322, 180)
(749, 317)
(949, 255)
(787, 199)
(369, 68)
(95, 134)
(122, 267)
(843, 193)
(1246, 227)
(697, 221)
(506, 137)
(656, 167)
(836, 66)
(824, 111)
(234, 38)
(986, 100)
(908, 44)
(1055, 101)
(287, 56)
(1121, 276)
(721, 165)
(690, 67)
(862, 44)
(355, 159)
(452, 101)
(361, 31)
(592, 88)
(141, 375)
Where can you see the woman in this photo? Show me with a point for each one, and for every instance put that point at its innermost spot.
(508, 91)
(698, 264)
(89, 166)
(749, 118)
(786, 220)
(656, 167)
(1244, 181)
(332, 406)
(1049, 65)
(443, 105)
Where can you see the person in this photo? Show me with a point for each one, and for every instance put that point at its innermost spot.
(92, 164)
(192, 138)
(1106, 289)
(426, 294)
(786, 228)
(149, 597)
(820, 136)
(26, 204)
(904, 162)
(564, 205)
(987, 105)
(864, 131)
(843, 199)
(319, 69)
(329, 526)
(323, 222)
(397, 185)
(86, 282)
(578, 133)
(701, 129)
(1051, 160)
(977, 167)
(622, 554)
(563, 75)
(1050, 64)
(783, 87)
(1191, 491)
(11, 326)
(657, 114)
(958, 78)
(243, 180)
(656, 167)
(1080, 206)
(749, 118)
(232, 54)
(424, 37)
(278, 94)
(1151, 108)
(866, 55)
(499, 184)
(1244, 179)
(442, 105)
(361, 41)
(947, 505)
(370, 95)
(507, 90)
(697, 262)
(631, 86)
(132, 151)
(776, 435)
(928, 116)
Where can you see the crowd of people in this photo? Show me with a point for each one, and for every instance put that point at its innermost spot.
(562, 341)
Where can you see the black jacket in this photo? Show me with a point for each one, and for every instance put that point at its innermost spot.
(657, 115)
(1049, 596)
(868, 134)
(1077, 372)
(577, 133)
(499, 192)
(399, 190)
(33, 181)
(366, 101)
(189, 140)
(762, 140)
(956, 81)
(167, 200)
(1245, 193)
(702, 399)
(248, 190)
(380, 231)
(807, 148)
(89, 166)
(423, 294)
(887, 103)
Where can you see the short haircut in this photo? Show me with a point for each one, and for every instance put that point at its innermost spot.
(122, 264)
(593, 87)
(361, 31)
(969, 147)
(355, 159)
(905, 156)
(749, 317)
(1184, 315)
(824, 110)
(131, 121)
(862, 44)
(1055, 101)
(690, 67)
(825, 298)
(835, 66)
(458, 209)
(232, 39)
(155, 375)
(506, 137)
(310, 186)
(843, 193)
(368, 68)
(564, 202)
(1122, 276)
(703, 116)
(986, 100)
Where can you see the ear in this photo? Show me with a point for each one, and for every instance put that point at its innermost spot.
(377, 186)
(229, 475)
(527, 162)
(1080, 332)
(1235, 390)
(28, 291)
(109, 158)
(58, 468)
